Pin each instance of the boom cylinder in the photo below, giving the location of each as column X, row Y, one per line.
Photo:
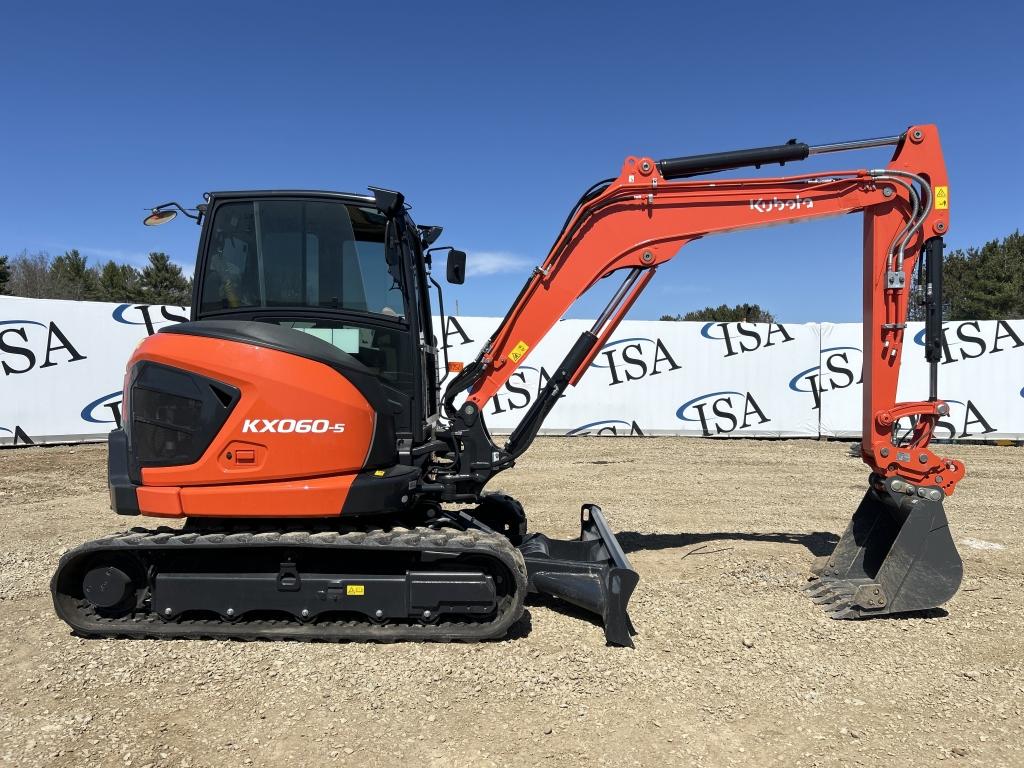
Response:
column 525, row 432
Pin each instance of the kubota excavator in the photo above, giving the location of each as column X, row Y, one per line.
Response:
column 330, row 493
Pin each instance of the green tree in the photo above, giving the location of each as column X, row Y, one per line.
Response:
column 985, row 283
column 5, row 275
column 741, row 313
column 120, row 283
column 162, row 282
column 72, row 278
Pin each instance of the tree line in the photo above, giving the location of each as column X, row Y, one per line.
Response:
column 985, row 283
column 70, row 276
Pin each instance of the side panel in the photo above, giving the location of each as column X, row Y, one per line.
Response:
column 296, row 418
column 318, row 497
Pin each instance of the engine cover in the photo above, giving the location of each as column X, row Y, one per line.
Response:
column 247, row 419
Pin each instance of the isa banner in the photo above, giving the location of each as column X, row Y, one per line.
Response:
column 981, row 377
column 62, row 365
column 62, row 368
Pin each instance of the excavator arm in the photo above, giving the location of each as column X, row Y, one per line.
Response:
column 642, row 218
column 897, row 554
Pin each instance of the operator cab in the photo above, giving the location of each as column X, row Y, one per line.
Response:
column 349, row 270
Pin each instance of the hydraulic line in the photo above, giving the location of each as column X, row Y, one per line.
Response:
column 915, row 208
column 926, row 191
column 926, row 209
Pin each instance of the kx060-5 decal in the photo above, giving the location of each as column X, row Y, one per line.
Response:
column 284, row 426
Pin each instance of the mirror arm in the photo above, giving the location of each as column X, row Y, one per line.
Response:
column 192, row 213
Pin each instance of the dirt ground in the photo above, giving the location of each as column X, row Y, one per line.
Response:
column 722, row 534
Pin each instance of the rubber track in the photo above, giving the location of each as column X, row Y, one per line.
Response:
column 87, row 622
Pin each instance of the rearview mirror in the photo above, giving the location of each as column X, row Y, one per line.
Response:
column 456, row 267
column 159, row 217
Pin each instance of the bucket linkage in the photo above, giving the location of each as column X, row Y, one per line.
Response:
column 896, row 555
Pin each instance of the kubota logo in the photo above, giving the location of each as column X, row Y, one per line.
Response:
column 778, row 204
column 286, row 426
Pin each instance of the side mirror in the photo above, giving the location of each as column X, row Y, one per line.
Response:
column 456, row 267
column 156, row 218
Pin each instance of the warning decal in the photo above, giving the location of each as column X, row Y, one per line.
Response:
column 518, row 351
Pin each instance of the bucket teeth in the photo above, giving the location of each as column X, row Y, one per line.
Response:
column 830, row 597
column 845, row 612
column 833, row 593
column 838, row 597
column 817, row 589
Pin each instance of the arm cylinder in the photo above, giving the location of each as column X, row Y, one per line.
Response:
column 695, row 165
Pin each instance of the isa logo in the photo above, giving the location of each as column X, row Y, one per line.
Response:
column 840, row 367
column 521, row 389
column 969, row 340
column 104, row 410
column 149, row 315
column 17, row 436
column 964, row 420
column 741, row 338
column 26, row 345
column 608, row 428
column 634, row 359
column 722, row 413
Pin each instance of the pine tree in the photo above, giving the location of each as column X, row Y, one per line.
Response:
column 120, row 283
column 986, row 283
column 5, row 276
column 72, row 278
column 162, row 282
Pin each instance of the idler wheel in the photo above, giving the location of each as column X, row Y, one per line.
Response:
column 107, row 586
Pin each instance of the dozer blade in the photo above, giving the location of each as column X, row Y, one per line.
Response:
column 591, row 572
column 897, row 555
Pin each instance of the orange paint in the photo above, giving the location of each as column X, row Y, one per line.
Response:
column 275, row 386
column 641, row 220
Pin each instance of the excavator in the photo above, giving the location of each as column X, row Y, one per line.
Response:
column 330, row 491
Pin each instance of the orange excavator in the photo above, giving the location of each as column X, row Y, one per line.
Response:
column 331, row 492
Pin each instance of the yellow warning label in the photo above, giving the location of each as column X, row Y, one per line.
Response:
column 941, row 198
column 355, row 589
column 518, row 351
column 379, row 473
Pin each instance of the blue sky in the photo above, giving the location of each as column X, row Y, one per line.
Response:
column 493, row 118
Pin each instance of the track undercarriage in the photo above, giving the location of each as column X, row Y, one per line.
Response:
column 449, row 579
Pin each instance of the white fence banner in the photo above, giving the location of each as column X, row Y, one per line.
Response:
column 62, row 365
column 981, row 377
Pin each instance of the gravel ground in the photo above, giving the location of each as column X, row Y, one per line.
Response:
column 732, row 666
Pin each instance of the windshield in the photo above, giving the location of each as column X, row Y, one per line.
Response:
column 299, row 253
